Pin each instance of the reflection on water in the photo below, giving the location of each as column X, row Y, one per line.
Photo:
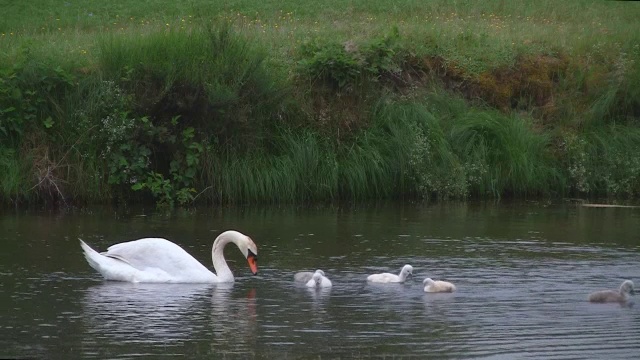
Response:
column 319, row 296
column 522, row 274
column 168, row 314
column 124, row 311
column 233, row 319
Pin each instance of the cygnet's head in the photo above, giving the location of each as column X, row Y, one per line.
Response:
column 320, row 272
column 317, row 278
column 407, row 270
column 627, row 287
column 427, row 281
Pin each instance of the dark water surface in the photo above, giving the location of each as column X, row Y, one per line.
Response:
column 523, row 273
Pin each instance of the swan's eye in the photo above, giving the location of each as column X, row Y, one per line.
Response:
column 251, row 254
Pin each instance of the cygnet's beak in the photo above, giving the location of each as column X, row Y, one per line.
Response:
column 252, row 259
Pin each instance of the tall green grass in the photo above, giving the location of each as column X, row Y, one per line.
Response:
column 426, row 149
column 376, row 163
column 11, row 181
column 619, row 98
column 514, row 158
column 213, row 78
column 457, row 151
column 306, row 167
column 300, row 170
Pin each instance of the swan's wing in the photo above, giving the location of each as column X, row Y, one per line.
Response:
column 155, row 253
column 303, row 276
column 383, row 278
column 443, row 286
column 605, row 296
column 451, row 287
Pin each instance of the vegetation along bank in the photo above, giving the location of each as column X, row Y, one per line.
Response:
column 199, row 102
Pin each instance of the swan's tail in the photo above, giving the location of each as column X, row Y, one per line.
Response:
column 120, row 270
column 91, row 255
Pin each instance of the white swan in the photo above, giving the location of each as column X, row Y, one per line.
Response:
column 392, row 278
column 619, row 296
column 305, row 276
column 432, row 286
column 161, row 261
column 318, row 280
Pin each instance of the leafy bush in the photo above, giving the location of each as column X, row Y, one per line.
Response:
column 131, row 162
column 599, row 164
column 30, row 96
column 342, row 65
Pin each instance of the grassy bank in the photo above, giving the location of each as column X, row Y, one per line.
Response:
column 245, row 102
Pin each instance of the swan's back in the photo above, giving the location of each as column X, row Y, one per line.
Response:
column 305, row 276
column 156, row 255
column 384, row 278
column 438, row 286
column 605, row 296
column 391, row 278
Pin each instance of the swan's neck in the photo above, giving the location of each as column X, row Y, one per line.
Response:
column 403, row 275
column 219, row 262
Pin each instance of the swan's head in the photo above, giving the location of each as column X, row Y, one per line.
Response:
column 250, row 251
column 627, row 287
column 427, row 281
column 246, row 246
column 407, row 270
column 320, row 272
column 317, row 278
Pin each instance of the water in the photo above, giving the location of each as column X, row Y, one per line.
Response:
column 523, row 273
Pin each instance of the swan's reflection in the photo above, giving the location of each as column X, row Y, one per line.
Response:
column 162, row 313
column 319, row 296
column 233, row 318
column 146, row 312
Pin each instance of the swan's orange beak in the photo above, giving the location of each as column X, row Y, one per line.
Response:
column 253, row 263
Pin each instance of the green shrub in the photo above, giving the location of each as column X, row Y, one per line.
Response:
column 342, row 65
column 599, row 161
column 31, row 96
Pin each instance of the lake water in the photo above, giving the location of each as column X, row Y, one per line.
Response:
column 523, row 273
